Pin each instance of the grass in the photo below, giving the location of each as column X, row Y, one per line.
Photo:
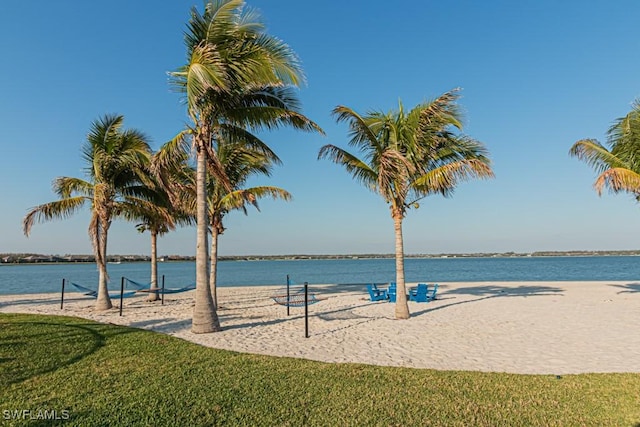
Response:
column 106, row 375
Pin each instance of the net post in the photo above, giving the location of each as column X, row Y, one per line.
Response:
column 288, row 283
column 121, row 293
column 306, row 310
column 62, row 295
column 162, row 290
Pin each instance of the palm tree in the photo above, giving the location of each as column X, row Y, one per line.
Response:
column 406, row 157
column 236, row 77
column 240, row 162
column 156, row 210
column 114, row 160
column 618, row 167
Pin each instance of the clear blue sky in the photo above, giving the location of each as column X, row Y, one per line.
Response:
column 536, row 77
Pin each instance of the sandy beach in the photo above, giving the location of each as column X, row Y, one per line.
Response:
column 517, row 327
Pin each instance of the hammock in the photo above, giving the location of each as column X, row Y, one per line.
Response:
column 137, row 285
column 92, row 293
column 169, row 290
column 146, row 287
column 295, row 299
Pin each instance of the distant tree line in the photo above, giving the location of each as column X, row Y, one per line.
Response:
column 28, row 258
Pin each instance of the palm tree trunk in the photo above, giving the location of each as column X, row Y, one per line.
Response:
column 103, row 302
column 402, row 308
column 205, row 318
column 213, row 270
column 153, row 296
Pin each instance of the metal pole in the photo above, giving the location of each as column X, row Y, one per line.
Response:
column 62, row 295
column 162, row 290
column 288, row 282
column 306, row 310
column 121, row 293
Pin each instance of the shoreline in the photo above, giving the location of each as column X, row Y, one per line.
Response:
column 517, row 327
column 47, row 259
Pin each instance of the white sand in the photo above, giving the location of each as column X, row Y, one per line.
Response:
column 526, row 327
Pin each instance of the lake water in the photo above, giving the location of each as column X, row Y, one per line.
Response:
column 34, row 278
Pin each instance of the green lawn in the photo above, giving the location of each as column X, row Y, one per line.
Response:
column 109, row 375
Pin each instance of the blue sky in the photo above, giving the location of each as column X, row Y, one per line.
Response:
column 536, row 77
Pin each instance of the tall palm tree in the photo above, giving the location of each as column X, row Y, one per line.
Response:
column 240, row 162
column 406, row 157
column 618, row 167
column 236, row 77
column 115, row 159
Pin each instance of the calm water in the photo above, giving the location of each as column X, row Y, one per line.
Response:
column 19, row 279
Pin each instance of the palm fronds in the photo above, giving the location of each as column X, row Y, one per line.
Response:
column 617, row 180
column 595, row 155
column 60, row 209
column 618, row 168
column 410, row 154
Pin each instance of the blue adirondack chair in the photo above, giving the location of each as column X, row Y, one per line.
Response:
column 376, row 294
column 431, row 293
column 420, row 293
column 391, row 292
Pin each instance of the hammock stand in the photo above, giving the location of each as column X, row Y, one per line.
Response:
column 143, row 287
column 300, row 297
column 295, row 299
column 90, row 292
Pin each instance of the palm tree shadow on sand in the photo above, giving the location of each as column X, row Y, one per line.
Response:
column 42, row 301
column 629, row 288
column 491, row 291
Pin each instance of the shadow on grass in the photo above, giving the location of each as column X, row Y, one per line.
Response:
column 36, row 348
column 629, row 288
column 490, row 291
